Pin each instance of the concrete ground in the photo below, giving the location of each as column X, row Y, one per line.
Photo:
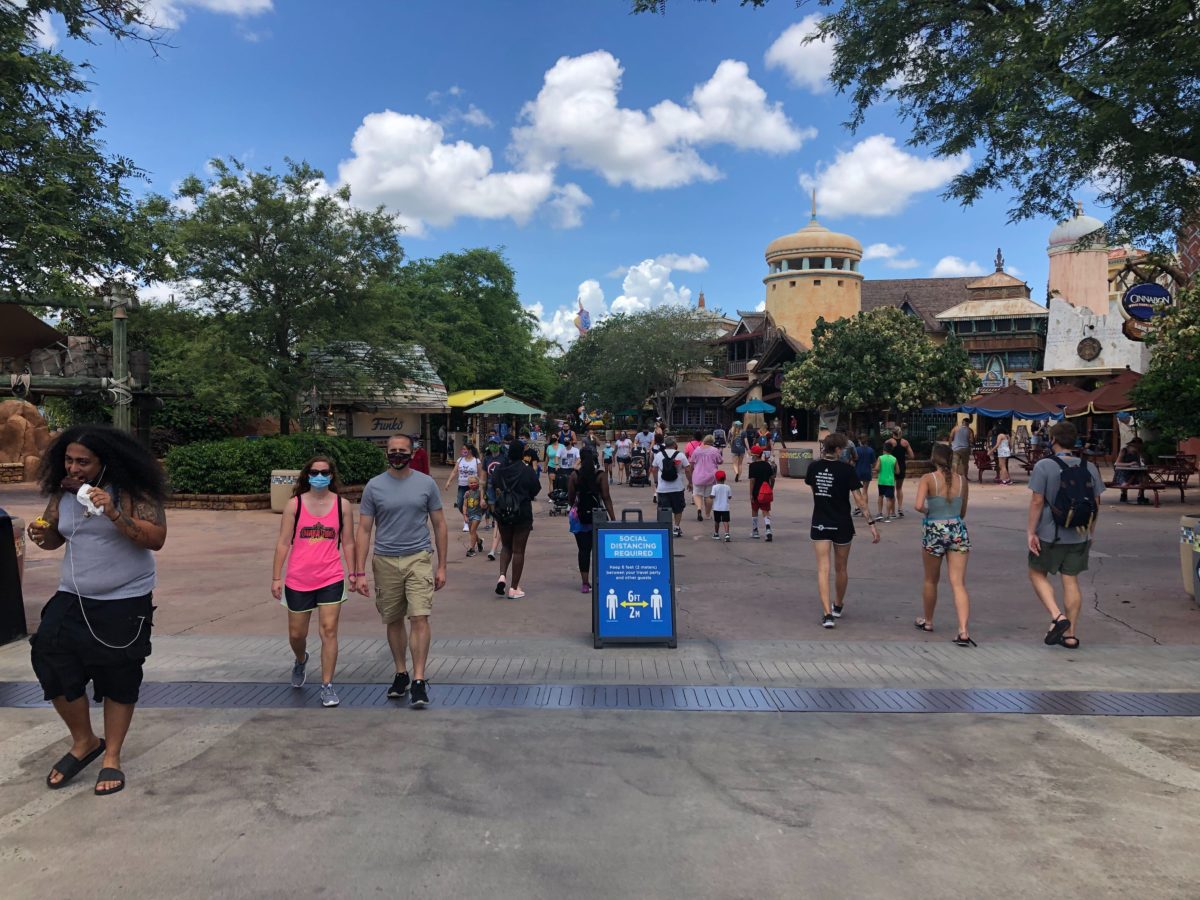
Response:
column 214, row 577
column 516, row 804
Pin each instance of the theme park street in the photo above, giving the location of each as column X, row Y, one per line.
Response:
column 214, row 577
column 524, row 804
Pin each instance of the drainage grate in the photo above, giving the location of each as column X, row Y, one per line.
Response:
column 682, row 698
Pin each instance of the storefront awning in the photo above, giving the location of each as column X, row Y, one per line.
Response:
column 504, row 406
column 463, row 399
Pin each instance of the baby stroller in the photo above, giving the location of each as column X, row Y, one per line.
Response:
column 639, row 472
column 558, row 496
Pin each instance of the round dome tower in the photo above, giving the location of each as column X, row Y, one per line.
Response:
column 812, row 273
column 1079, row 276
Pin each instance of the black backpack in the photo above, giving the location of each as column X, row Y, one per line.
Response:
column 1074, row 505
column 669, row 471
column 508, row 505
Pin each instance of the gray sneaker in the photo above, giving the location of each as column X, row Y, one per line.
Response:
column 329, row 696
column 299, row 676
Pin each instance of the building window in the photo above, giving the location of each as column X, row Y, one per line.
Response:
column 710, row 418
column 774, row 286
column 1024, row 324
column 695, row 415
column 791, row 284
column 817, row 282
column 983, row 325
column 964, row 327
column 840, row 282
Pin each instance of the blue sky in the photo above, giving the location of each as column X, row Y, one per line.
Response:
column 626, row 160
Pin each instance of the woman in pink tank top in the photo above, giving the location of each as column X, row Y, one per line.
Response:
column 315, row 536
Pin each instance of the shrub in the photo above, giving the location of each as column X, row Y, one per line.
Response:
column 243, row 466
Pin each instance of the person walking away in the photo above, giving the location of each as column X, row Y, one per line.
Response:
column 400, row 505
column 468, row 464
column 1062, row 523
column 316, row 534
column 553, row 448
column 608, row 460
column 516, row 486
column 961, row 439
column 722, row 495
column 474, row 505
column 864, row 467
column 1002, row 451
column 705, row 460
column 849, row 454
column 761, row 473
column 719, row 438
column 693, row 444
column 587, row 490
column 737, row 447
column 885, row 474
column 942, row 498
column 624, row 455
column 903, row 451
column 106, row 507
column 672, row 473
column 833, row 482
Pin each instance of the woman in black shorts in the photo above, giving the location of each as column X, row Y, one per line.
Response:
column 514, row 477
column 902, row 450
column 106, row 507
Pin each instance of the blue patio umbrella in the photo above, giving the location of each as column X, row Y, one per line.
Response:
column 756, row 406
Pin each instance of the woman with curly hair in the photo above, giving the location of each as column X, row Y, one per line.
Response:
column 315, row 536
column 106, row 507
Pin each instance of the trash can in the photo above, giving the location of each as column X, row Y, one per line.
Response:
column 283, row 482
column 12, row 602
column 1189, row 552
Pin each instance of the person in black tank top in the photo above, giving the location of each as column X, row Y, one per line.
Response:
column 902, row 450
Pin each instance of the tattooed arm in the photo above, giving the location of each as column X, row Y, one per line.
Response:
column 144, row 523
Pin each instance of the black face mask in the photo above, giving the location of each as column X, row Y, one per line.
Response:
column 399, row 460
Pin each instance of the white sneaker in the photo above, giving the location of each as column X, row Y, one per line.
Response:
column 466, row 527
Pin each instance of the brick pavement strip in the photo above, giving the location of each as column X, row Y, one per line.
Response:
column 744, row 663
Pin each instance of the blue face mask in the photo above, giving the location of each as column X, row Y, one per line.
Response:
column 319, row 481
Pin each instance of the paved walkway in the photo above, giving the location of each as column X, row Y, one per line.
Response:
column 774, row 663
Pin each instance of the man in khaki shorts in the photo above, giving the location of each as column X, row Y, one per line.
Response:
column 405, row 502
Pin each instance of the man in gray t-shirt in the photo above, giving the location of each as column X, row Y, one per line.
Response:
column 1053, row 549
column 403, row 503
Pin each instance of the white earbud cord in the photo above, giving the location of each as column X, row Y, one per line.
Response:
column 83, row 612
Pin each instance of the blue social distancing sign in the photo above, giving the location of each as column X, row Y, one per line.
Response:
column 633, row 584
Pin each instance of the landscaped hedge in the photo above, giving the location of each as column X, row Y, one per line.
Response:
column 243, row 466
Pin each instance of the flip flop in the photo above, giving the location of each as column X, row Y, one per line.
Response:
column 1057, row 627
column 110, row 775
column 922, row 625
column 70, row 766
column 964, row 642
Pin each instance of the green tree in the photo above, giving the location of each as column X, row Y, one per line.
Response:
column 1057, row 94
column 880, row 360
column 1168, row 392
column 66, row 216
column 465, row 310
column 286, row 268
column 626, row 360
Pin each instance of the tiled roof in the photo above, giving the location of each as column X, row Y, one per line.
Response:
column 708, row 387
column 987, row 309
column 926, row 296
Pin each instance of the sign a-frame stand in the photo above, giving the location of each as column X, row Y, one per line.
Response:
column 633, row 582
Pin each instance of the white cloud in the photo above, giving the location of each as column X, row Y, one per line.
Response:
column 877, row 178
column 472, row 115
column 436, row 96
column 403, row 162
column 576, row 119
column 567, row 205
column 1013, row 271
column 761, row 307
column 807, row 64
column 955, row 267
column 692, row 262
column 890, row 254
column 646, row 286
column 172, row 13
column 45, row 34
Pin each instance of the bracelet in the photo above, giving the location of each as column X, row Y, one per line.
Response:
column 277, row 579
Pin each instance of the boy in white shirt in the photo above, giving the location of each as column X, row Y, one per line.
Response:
column 721, row 495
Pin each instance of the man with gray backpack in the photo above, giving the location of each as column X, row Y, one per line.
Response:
column 1062, row 520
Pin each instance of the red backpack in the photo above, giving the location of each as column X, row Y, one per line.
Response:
column 765, row 494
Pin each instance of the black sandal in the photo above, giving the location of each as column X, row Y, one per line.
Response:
column 501, row 585
column 1074, row 646
column 1057, row 627
column 964, row 642
column 110, row 775
column 922, row 625
column 70, row 766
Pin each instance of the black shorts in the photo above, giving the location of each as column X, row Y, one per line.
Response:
column 719, row 516
column 839, row 534
column 671, row 499
column 307, row 601
column 66, row 656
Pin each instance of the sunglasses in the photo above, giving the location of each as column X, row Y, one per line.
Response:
column 320, row 471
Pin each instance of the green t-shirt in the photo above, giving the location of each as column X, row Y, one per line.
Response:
column 887, row 469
